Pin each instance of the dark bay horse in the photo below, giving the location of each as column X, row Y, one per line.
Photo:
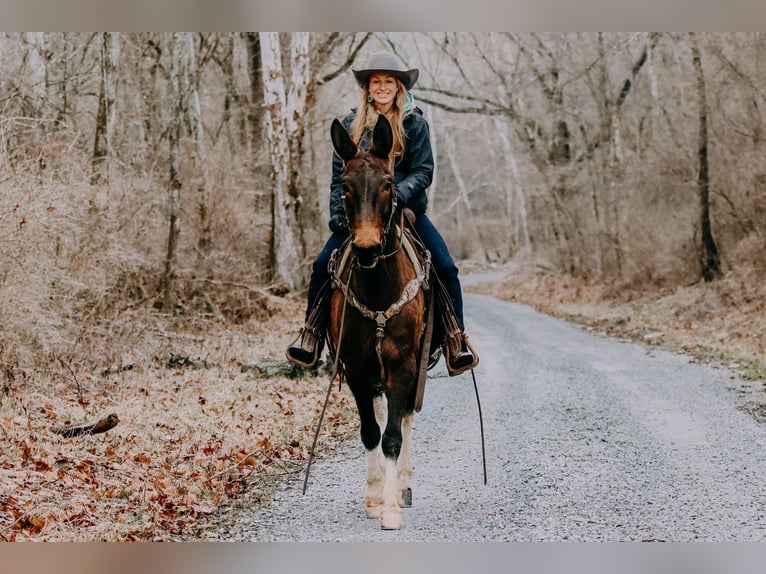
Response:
column 377, row 317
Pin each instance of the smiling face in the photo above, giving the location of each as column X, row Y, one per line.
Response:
column 383, row 89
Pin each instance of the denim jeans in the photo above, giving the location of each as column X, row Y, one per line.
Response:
column 444, row 265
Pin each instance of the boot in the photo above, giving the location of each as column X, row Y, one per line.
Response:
column 306, row 349
column 460, row 354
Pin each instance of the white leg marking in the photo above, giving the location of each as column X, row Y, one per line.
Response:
column 404, row 464
column 391, row 515
column 380, row 408
column 373, row 500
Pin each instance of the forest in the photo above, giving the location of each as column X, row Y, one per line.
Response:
column 185, row 171
column 154, row 183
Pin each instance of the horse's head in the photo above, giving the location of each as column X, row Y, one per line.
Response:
column 368, row 189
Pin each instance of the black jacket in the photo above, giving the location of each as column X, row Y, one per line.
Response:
column 413, row 171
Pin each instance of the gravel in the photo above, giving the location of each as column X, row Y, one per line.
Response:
column 588, row 439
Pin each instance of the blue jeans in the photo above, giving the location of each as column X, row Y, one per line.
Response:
column 444, row 265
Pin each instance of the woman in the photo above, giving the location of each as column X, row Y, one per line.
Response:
column 385, row 90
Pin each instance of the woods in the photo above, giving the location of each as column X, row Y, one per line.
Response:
column 578, row 151
column 150, row 169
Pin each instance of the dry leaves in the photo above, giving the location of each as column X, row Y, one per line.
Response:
column 191, row 443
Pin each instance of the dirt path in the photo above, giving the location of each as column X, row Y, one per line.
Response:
column 588, row 439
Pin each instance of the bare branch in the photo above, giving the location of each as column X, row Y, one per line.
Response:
column 350, row 59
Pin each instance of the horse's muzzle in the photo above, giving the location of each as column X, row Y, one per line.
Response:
column 367, row 256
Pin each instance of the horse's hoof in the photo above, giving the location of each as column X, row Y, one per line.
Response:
column 373, row 506
column 405, row 498
column 391, row 519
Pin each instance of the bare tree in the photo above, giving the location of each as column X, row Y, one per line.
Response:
column 255, row 114
column 36, row 69
column 519, row 232
column 191, row 90
column 171, row 258
column 103, row 142
column 284, row 249
column 710, row 263
column 296, row 122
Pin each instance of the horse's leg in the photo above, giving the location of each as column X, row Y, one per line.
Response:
column 371, row 410
column 404, row 463
column 399, row 390
column 373, row 500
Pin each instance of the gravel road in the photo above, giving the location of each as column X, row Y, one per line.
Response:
column 588, row 439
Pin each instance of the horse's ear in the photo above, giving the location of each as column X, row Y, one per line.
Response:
column 382, row 138
column 341, row 141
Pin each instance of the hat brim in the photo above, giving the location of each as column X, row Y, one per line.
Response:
column 407, row 78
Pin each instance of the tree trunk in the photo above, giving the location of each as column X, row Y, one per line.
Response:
column 35, row 68
column 102, row 145
column 61, row 118
column 710, row 264
column 462, row 188
column 171, row 263
column 284, row 252
column 296, row 122
column 195, row 122
column 518, row 233
column 149, row 99
column 255, row 115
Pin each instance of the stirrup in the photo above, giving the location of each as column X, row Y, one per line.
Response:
column 465, row 360
column 301, row 352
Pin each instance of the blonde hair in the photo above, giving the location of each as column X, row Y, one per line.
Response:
column 367, row 115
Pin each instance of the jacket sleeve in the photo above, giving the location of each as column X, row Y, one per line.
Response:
column 338, row 222
column 421, row 165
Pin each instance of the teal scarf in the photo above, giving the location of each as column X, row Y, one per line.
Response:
column 409, row 104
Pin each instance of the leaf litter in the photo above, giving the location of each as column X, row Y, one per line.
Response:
column 195, row 439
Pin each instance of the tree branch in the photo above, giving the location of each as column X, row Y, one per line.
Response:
column 350, row 59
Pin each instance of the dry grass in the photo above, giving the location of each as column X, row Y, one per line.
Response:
column 724, row 320
column 195, row 437
column 198, row 437
column 81, row 336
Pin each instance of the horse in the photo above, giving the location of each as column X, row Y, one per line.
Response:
column 377, row 320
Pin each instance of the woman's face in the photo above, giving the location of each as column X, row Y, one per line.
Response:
column 383, row 89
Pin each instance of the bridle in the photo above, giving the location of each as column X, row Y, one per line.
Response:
column 385, row 234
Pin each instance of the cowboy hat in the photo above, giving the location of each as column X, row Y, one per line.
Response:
column 386, row 62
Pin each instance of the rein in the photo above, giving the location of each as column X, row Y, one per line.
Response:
column 336, row 363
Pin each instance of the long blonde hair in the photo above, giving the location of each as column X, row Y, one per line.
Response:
column 367, row 115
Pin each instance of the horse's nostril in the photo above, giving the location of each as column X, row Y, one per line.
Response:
column 367, row 254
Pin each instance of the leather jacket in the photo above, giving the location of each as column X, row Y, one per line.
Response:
column 413, row 170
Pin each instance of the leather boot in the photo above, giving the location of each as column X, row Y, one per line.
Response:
column 460, row 355
column 304, row 351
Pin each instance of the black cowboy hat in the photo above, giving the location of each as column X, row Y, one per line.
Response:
column 386, row 62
